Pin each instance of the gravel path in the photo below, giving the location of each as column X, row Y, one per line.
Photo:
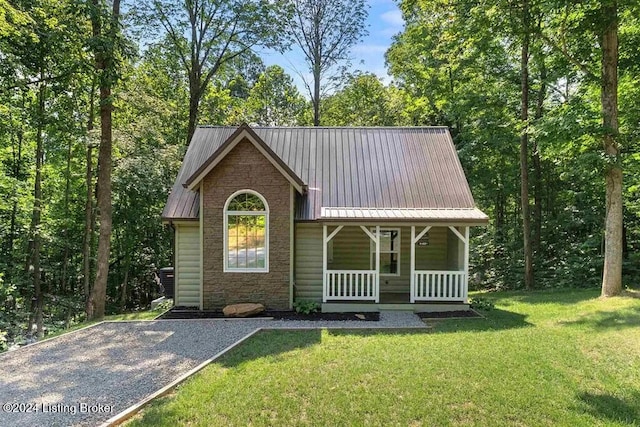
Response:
column 88, row 376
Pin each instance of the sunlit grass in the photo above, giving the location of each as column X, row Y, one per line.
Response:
column 135, row 315
column 538, row 358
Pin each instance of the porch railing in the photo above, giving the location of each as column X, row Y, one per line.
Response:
column 354, row 285
column 436, row 285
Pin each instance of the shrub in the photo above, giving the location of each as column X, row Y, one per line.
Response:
column 306, row 307
column 479, row 303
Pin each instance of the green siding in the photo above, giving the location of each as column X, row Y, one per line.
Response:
column 308, row 262
column 351, row 248
column 187, row 265
column 455, row 251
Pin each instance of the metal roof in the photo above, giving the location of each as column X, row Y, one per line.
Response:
column 354, row 167
column 466, row 215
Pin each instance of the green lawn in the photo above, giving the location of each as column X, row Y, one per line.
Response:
column 539, row 358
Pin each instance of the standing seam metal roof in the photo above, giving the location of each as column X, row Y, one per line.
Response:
column 354, row 167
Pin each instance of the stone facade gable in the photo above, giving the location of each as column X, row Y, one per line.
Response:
column 246, row 168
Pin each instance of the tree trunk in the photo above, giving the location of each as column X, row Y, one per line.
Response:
column 316, row 95
column 195, row 93
column 194, row 103
column 36, row 218
column 88, row 208
column 524, row 149
column 123, row 295
column 104, row 63
column 612, row 272
column 97, row 298
column 317, row 64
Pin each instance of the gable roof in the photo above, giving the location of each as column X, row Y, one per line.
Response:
column 242, row 133
column 360, row 169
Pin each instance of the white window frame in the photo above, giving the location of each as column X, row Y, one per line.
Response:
column 372, row 251
column 225, row 233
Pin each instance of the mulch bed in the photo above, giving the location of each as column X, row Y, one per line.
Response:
column 194, row 313
column 449, row 314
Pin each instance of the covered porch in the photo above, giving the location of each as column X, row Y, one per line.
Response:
column 388, row 265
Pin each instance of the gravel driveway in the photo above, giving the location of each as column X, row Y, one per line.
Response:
column 88, row 376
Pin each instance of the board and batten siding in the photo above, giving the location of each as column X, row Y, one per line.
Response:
column 187, row 274
column 352, row 251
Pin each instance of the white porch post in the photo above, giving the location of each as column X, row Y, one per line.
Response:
column 376, row 240
column 466, row 263
column 377, row 263
column 465, row 240
column 412, row 279
column 325, row 241
column 325, row 292
column 414, row 240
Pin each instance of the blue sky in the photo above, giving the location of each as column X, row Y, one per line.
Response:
column 384, row 21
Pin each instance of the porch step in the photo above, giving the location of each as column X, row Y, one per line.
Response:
column 338, row 307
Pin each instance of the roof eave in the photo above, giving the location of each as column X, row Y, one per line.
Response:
column 448, row 221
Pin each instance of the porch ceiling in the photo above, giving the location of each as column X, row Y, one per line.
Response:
column 462, row 215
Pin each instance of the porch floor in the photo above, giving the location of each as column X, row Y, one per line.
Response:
column 393, row 301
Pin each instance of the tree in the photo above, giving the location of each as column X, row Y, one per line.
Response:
column 207, row 34
column 612, row 274
column 105, row 24
column 363, row 101
column 274, row 100
column 602, row 18
column 524, row 145
column 325, row 31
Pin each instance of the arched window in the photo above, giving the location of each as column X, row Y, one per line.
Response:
column 246, row 233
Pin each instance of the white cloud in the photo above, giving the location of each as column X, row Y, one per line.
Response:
column 393, row 18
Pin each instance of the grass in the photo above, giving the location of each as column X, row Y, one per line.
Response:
column 135, row 315
column 539, row 358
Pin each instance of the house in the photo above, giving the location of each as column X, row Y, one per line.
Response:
column 354, row 218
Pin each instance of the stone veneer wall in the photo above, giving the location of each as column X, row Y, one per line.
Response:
column 245, row 168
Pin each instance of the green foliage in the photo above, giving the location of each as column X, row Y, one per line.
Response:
column 164, row 306
column 459, row 63
column 306, row 307
column 363, row 101
column 274, row 100
column 479, row 303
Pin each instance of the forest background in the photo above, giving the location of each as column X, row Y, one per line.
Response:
column 98, row 101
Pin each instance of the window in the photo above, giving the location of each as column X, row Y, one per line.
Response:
column 246, row 233
column 389, row 252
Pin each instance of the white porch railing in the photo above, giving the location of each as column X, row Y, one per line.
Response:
column 354, row 285
column 435, row 285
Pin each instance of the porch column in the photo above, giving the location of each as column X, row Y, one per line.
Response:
column 414, row 240
column 376, row 240
column 325, row 290
column 465, row 240
column 325, row 241
column 377, row 263
column 412, row 269
column 466, row 263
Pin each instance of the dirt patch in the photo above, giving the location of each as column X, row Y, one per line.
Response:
column 194, row 313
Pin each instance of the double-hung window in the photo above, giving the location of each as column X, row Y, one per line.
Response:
column 389, row 252
column 246, row 233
